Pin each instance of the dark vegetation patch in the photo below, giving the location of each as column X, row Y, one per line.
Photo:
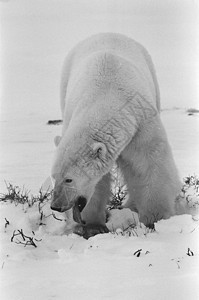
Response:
column 192, row 111
column 54, row 122
column 18, row 195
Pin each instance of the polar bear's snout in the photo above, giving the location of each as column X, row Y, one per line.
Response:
column 63, row 198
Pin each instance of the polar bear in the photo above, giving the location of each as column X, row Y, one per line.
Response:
column 110, row 105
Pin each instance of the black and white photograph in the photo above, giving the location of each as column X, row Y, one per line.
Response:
column 99, row 149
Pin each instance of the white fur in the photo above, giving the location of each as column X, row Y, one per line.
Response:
column 110, row 96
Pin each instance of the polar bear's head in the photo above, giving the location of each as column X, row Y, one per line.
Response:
column 76, row 174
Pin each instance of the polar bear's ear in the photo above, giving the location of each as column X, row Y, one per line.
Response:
column 57, row 140
column 99, row 150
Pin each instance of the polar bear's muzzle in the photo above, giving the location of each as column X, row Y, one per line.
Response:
column 65, row 199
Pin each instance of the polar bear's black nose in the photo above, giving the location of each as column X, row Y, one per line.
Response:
column 56, row 204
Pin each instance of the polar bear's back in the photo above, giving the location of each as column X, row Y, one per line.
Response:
column 118, row 43
column 115, row 43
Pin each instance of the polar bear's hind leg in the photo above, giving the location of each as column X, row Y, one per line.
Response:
column 150, row 174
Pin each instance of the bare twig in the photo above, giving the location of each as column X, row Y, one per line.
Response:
column 138, row 252
column 7, row 223
column 54, row 216
column 26, row 240
column 189, row 252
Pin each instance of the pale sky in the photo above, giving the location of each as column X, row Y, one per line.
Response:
column 37, row 34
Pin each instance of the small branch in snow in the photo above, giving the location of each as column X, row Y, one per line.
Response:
column 137, row 253
column 7, row 223
column 189, row 252
column 26, row 240
column 54, row 216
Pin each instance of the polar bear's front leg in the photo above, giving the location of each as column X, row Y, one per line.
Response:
column 94, row 214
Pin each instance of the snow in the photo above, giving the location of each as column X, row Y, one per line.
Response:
column 104, row 267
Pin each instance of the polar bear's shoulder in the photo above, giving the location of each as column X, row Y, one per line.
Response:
column 115, row 43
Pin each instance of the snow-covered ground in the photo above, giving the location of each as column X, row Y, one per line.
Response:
column 103, row 267
column 163, row 264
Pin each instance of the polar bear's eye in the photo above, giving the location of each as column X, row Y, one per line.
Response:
column 68, row 180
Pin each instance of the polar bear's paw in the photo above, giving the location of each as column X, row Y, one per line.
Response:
column 90, row 230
